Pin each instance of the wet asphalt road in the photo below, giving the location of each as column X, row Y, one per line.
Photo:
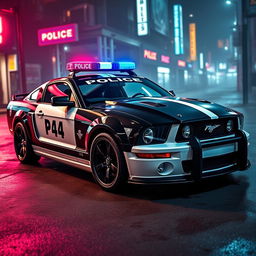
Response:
column 52, row 209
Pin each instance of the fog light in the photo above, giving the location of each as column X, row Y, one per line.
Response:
column 165, row 168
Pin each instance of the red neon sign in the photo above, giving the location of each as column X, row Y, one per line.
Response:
column 1, row 30
column 150, row 55
column 182, row 63
column 165, row 59
column 58, row 35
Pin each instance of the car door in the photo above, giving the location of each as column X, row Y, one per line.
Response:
column 55, row 124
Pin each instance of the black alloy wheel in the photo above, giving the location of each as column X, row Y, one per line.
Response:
column 108, row 163
column 22, row 145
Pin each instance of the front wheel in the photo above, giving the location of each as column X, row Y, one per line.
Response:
column 108, row 163
column 22, row 145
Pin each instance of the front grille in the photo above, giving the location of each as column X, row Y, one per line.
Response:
column 212, row 162
column 198, row 129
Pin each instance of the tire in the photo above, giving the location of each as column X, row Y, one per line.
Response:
column 22, row 145
column 108, row 163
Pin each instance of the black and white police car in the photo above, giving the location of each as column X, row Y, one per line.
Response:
column 125, row 128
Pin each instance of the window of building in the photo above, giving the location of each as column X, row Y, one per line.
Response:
column 84, row 13
column 163, row 75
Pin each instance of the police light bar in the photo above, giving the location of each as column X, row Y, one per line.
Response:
column 99, row 66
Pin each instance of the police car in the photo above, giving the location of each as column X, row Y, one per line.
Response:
column 105, row 119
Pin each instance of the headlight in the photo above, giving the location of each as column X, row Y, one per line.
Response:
column 186, row 132
column 152, row 135
column 148, row 136
column 230, row 126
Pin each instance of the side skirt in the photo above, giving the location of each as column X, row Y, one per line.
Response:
column 63, row 158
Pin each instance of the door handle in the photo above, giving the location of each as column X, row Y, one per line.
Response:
column 40, row 113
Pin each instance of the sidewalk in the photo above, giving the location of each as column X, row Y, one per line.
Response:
column 225, row 96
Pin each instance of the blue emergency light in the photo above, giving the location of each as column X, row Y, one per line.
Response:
column 77, row 66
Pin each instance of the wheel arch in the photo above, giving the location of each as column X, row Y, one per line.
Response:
column 96, row 130
column 110, row 125
column 20, row 116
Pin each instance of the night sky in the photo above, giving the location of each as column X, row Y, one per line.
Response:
column 214, row 20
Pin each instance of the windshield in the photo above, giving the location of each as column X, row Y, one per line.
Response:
column 110, row 88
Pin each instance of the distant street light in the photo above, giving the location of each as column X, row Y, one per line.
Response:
column 228, row 2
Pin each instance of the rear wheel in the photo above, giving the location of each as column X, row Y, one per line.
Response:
column 23, row 146
column 108, row 163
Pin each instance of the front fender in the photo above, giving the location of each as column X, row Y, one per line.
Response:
column 110, row 125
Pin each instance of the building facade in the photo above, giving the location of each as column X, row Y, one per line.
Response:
column 107, row 30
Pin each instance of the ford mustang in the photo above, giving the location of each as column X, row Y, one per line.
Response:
column 122, row 127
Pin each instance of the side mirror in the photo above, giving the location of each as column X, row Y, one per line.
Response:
column 172, row 93
column 62, row 101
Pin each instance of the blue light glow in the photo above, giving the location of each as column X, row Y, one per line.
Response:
column 123, row 65
column 105, row 65
column 178, row 29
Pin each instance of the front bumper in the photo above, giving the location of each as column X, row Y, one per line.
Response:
column 190, row 161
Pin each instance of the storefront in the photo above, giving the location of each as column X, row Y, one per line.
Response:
column 156, row 66
column 8, row 58
column 91, row 44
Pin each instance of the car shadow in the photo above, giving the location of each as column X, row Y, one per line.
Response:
column 224, row 193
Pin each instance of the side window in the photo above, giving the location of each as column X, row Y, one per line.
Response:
column 34, row 95
column 58, row 89
column 40, row 95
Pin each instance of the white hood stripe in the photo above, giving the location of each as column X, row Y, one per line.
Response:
column 201, row 109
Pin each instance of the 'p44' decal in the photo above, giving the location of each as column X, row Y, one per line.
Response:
column 55, row 127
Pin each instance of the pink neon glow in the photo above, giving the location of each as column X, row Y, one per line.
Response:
column 165, row 59
column 82, row 57
column 1, row 25
column 1, row 30
column 56, row 91
column 150, row 55
column 81, row 118
column 58, row 35
column 181, row 63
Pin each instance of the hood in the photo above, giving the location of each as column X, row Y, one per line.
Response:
column 167, row 109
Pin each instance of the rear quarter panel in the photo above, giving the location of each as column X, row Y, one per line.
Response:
column 21, row 111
